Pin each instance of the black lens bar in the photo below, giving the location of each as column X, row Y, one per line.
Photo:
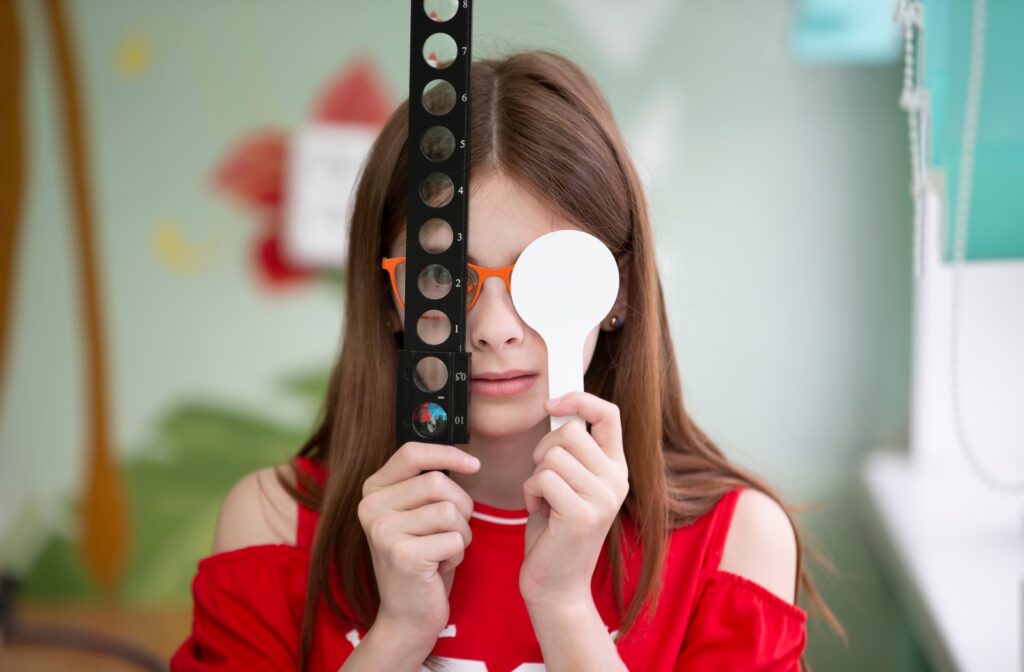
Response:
column 433, row 367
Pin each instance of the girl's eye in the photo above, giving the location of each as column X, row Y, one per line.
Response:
column 435, row 281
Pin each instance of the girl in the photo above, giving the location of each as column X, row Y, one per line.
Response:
column 634, row 545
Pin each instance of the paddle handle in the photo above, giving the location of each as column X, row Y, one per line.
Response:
column 565, row 374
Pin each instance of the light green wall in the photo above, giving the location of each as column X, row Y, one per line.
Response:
column 781, row 214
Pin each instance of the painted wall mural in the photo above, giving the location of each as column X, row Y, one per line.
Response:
column 141, row 525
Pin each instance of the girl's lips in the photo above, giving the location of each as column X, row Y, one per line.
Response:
column 502, row 388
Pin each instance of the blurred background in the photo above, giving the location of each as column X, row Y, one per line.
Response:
column 166, row 327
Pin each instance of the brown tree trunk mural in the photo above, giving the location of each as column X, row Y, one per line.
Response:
column 12, row 166
column 104, row 536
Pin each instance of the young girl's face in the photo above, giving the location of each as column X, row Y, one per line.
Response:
column 504, row 219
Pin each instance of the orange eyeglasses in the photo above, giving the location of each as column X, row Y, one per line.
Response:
column 436, row 281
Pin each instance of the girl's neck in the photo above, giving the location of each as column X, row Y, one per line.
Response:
column 505, row 463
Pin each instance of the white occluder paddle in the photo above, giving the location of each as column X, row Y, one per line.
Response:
column 563, row 285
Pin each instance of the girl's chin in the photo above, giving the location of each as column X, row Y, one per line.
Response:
column 502, row 423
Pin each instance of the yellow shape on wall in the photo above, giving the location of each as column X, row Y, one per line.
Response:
column 172, row 247
column 134, row 55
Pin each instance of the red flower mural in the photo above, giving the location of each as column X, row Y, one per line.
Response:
column 255, row 170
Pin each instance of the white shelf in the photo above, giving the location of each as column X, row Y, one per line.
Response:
column 956, row 551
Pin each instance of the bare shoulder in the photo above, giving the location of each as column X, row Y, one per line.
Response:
column 257, row 510
column 761, row 544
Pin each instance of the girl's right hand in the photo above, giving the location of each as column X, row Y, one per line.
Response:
column 417, row 526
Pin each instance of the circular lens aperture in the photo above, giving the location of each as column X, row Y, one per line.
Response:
column 435, row 281
column 433, row 327
column 437, row 144
column 429, row 419
column 438, row 97
column 436, row 235
column 437, row 190
column 440, row 50
column 431, row 374
column 441, row 10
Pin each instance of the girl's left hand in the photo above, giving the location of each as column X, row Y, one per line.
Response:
column 573, row 496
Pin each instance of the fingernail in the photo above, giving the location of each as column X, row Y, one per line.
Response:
column 472, row 462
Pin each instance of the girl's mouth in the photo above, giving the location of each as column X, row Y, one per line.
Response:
column 502, row 388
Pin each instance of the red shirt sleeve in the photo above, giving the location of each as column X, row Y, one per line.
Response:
column 245, row 614
column 740, row 625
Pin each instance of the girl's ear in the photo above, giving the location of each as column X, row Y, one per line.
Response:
column 619, row 308
column 393, row 321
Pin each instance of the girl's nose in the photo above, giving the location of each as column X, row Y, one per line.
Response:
column 494, row 321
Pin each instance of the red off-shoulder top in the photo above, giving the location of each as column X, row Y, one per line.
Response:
column 248, row 606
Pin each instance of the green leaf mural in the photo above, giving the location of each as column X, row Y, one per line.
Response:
column 176, row 484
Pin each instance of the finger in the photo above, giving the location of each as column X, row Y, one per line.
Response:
column 575, row 438
column 583, row 481
column 431, row 519
column 447, row 577
column 603, row 416
column 414, row 457
column 432, row 486
column 549, row 486
column 449, row 564
column 532, row 496
column 439, row 547
column 536, row 502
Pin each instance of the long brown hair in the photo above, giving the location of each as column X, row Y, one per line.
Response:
column 539, row 119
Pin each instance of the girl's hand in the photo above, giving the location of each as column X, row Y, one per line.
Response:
column 573, row 496
column 417, row 526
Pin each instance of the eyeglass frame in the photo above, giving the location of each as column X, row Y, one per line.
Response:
column 389, row 264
